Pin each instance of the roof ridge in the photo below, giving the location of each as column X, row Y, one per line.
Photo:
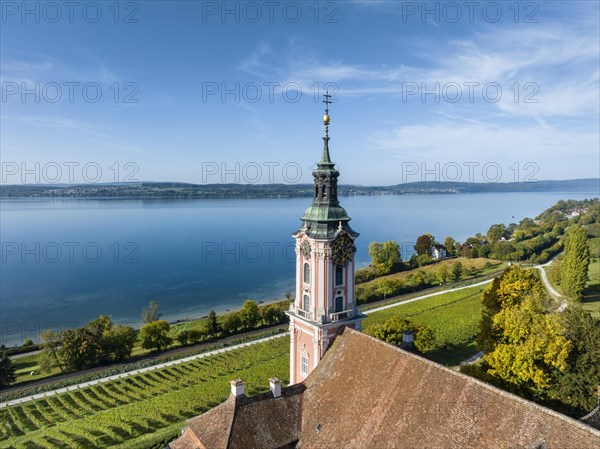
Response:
column 474, row 380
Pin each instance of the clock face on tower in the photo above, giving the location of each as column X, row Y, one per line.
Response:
column 305, row 248
column 342, row 250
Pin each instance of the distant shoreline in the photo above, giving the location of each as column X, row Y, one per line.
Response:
column 182, row 191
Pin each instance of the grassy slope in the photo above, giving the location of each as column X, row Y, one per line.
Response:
column 453, row 317
column 147, row 410
column 144, row 410
column 591, row 299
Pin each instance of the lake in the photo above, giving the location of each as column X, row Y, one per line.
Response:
column 65, row 261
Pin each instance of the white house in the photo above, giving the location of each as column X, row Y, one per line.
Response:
column 438, row 252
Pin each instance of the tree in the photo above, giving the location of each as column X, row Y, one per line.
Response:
column 28, row 342
column 450, row 245
column 457, row 270
column 80, row 348
column 575, row 263
column 232, row 322
column 423, row 244
column 531, row 344
column 423, row 259
column 272, row 314
column 7, row 370
column 577, row 385
column 249, row 315
column 151, row 313
column 212, row 326
column 117, row 343
column 154, row 335
column 443, row 274
column 496, row 232
column 183, row 337
column 385, row 257
column 48, row 358
column 391, row 332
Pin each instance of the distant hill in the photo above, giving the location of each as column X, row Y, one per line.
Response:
column 184, row 190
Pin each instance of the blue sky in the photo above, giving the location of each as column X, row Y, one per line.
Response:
column 512, row 98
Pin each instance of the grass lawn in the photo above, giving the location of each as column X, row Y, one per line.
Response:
column 591, row 295
column 453, row 317
column 476, row 268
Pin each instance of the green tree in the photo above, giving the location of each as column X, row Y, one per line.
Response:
column 443, row 274
column 577, row 386
column 391, row 332
column 183, row 337
column 496, row 232
column 232, row 322
column 423, row 244
column 155, row 335
column 117, row 343
column 49, row 357
column 531, row 344
column 249, row 315
column 212, row 326
column 575, row 262
column 7, row 370
column 80, row 349
column 450, row 245
column 385, row 257
column 424, row 259
column 457, row 269
column 28, row 342
column 272, row 314
column 151, row 313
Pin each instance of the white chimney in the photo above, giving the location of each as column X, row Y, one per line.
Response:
column 237, row 387
column 275, row 386
column 407, row 338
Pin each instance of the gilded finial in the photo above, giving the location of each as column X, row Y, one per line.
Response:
column 326, row 118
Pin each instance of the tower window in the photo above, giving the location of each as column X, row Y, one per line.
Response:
column 339, row 275
column 306, row 276
column 339, row 304
column 306, row 304
column 304, row 364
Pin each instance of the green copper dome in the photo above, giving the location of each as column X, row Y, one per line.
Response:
column 325, row 218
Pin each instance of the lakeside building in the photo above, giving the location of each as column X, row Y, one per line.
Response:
column 349, row 390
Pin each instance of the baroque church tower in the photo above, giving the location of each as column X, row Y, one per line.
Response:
column 324, row 271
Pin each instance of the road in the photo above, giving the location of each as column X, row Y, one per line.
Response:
column 202, row 355
column 241, row 345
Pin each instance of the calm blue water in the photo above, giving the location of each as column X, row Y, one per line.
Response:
column 64, row 262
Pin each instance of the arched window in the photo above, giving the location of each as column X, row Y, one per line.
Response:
column 306, row 277
column 339, row 275
column 306, row 304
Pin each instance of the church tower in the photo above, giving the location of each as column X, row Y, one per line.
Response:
column 324, row 270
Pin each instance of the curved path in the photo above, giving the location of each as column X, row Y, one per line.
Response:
column 205, row 354
column 241, row 345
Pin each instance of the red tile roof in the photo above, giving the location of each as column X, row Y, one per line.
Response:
column 368, row 394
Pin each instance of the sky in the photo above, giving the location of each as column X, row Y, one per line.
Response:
column 213, row 92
